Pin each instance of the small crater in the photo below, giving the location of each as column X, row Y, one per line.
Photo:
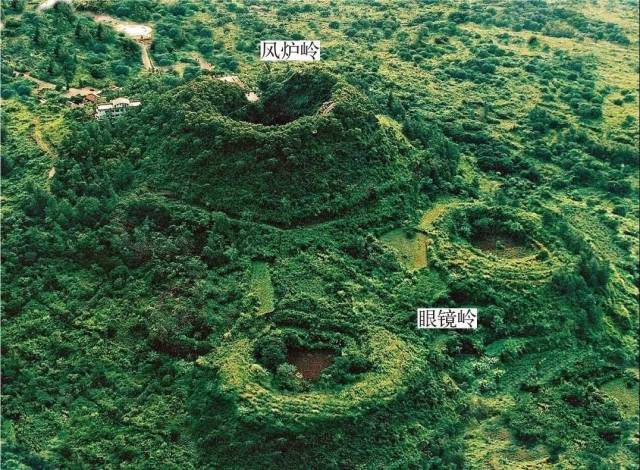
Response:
column 502, row 246
column 284, row 102
column 310, row 363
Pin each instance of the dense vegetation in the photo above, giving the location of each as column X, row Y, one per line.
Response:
column 273, row 149
column 160, row 269
column 63, row 48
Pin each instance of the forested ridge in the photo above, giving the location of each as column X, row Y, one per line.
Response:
column 212, row 281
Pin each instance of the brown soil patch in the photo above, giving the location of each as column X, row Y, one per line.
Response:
column 42, row 85
column 310, row 363
column 82, row 91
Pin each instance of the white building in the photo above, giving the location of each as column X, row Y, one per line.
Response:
column 115, row 108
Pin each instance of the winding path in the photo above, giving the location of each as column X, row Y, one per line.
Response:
column 42, row 85
column 43, row 144
column 142, row 34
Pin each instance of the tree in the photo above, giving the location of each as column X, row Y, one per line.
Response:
column 36, row 202
column 594, row 271
column 395, row 106
column 37, row 35
column 288, row 378
column 271, row 351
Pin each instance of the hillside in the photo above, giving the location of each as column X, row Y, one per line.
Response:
column 310, row 149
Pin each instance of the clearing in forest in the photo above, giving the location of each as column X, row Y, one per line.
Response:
column 410, row 247
column 628, row 398
column 502, row 246
column 262, row 287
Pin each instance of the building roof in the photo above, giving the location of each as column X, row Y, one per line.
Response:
column 232, row 79
column 113, row 105
column 118, row 101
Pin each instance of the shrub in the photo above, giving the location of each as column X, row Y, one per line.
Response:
column 288, row 378
column 271, row 351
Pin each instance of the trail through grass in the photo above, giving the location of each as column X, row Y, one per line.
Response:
column 262, row 287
